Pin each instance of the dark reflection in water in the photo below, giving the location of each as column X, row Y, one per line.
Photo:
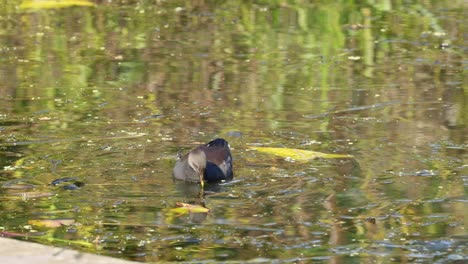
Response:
column 100, row 99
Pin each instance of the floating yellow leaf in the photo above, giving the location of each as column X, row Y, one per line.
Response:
column 299, row 154
column 184, row 208
column 51, row 222
column 51, row 4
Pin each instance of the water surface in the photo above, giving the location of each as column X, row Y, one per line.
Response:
column 105, row 96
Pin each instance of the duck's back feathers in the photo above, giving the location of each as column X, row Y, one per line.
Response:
column 219, row 160
column 218, row 163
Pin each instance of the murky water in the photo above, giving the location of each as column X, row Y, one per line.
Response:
column 104, row 97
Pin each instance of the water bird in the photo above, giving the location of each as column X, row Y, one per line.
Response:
column 211, row 162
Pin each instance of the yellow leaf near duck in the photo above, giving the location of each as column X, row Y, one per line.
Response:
column 185, row 208
column 299, row 154
column 53, row 4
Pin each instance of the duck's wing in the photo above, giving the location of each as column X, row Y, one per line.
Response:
column 219, row 153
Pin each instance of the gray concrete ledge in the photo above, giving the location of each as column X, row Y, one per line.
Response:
column 20, row 252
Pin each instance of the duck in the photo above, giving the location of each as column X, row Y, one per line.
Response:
column 210, row 162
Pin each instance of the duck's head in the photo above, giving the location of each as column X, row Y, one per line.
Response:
column 197, row 161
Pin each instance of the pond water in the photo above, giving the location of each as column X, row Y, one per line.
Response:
column 103, row 97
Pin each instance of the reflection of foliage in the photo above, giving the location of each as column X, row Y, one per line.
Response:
column 111, row 44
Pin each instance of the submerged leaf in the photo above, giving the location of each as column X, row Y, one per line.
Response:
column 69, row 242
column 299, row 154
column 60, row 180
column 73, row 186
column 28, row 195
column 51, row 222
